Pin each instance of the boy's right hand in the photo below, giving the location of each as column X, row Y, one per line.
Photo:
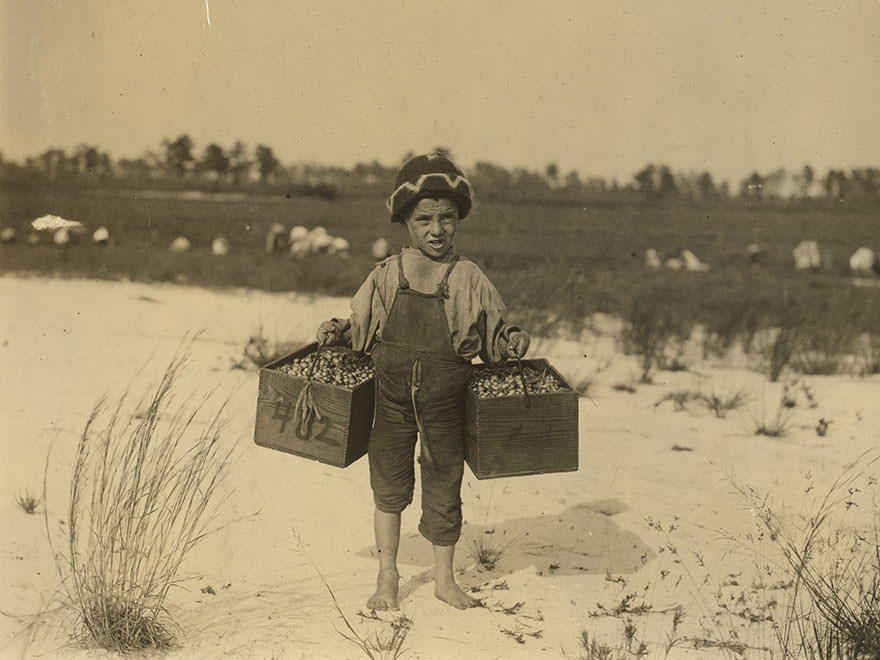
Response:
column 328, row 334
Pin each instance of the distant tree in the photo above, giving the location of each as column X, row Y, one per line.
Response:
column 53, row 163
column 214, row 161
column 573, row 182
column 806, row 181
column 135, row 169
column 178, row 156
column 644, row 179
column 774, row 183
column 753, row 187
column 239, row 162
column 89, row 161
column 492, row 180
column 836, row 184
column 865, row 184
column 706, row 186
column 529, row 184
column 552, row 173
column 267, row 164
column 655, row 182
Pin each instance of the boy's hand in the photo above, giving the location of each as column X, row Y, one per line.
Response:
column 328, row 334
column 518, row 344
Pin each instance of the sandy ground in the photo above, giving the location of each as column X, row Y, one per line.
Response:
column 575, row 542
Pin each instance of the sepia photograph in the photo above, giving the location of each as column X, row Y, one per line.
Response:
column 466, row 330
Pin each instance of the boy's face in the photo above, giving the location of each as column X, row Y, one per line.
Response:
column 431, row 226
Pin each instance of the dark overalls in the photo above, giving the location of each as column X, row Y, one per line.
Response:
column 420, row 389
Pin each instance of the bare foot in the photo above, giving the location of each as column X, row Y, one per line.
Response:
column 451, row 593
column 385, row 597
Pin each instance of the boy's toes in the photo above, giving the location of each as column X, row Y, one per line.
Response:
column 453, row 595
column 385, row 597
column 382, row 601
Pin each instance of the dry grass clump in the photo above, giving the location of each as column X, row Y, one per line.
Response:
column 777, row 424
column 629, row 647
column 656, row 334
column 832, row 561
column 723, row 403
column 27, row 502
column 379, row 645
column 143, row 493
column 679, row 399
column 868, row 348
column 485, row 550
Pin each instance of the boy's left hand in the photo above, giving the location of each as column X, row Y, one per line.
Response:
column 518, row 344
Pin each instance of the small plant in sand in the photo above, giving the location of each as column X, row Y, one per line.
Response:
column 679, row 399
column 723, row 403
column 655, row 334
column 831, row 559
column 781, row 351
column 485, row 550
column 775, row 425
column 823, row 349
column 868, row 347
column 143, row 493
column 27, row 502
column 380, row 645
column 628, row 648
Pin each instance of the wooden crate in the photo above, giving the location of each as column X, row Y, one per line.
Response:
column 504, row 438
column 339, row 439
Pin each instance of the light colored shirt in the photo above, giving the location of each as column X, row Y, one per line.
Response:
column 474, row 309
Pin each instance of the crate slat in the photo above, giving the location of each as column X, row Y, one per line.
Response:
column 339, row 438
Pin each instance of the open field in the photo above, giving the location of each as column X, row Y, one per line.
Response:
column 655, row 547
column 560, row 262
column 650, row 522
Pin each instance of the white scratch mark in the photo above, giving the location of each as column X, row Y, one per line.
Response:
column 208, row 13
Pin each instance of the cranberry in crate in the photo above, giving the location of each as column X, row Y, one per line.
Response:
column 317, row 404
column 511, row 431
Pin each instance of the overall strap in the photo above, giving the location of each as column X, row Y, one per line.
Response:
column 402, row 282
column 443, row 287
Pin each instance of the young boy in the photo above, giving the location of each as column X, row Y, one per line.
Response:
column 423, row 315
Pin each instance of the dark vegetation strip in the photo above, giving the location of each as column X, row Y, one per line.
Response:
column 550, row 261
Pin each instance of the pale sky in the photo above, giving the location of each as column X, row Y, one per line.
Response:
column 597, row 86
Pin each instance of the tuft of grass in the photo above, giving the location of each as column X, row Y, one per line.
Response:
column 27, row 502
column 781, row 351
column 593, row 649
column 380, row 645
column 823, row 346
column 679, row 399
column 651, row 331
column 833, row 564
column 485, row 550
column 143, row 493
column 868, row 349
column 629, row 647
column 777, row 425
column 721, row 404
column 626, row 605
column 815, row 362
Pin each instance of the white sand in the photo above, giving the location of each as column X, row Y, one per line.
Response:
column 578, row 538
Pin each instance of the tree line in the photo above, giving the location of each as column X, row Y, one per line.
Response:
column 178, row 163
